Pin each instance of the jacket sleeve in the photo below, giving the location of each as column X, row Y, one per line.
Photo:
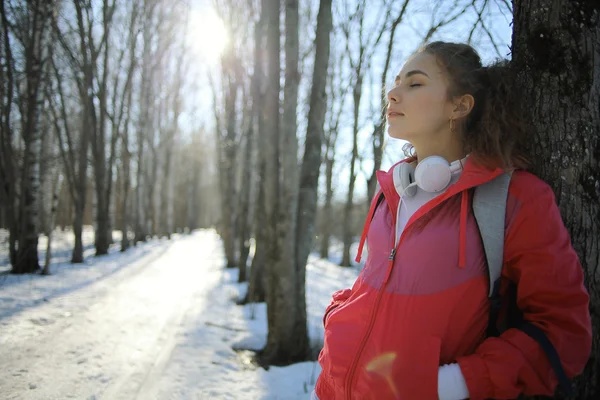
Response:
column 551, row 294
column 337, row 298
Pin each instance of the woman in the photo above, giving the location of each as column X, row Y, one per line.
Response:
column 413, row 326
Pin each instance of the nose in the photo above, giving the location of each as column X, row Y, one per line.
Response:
column 393, row 96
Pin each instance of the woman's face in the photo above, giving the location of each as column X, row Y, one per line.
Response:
column 419, row 108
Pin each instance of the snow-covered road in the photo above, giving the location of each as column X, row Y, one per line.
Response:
column 111, row 339
column 157, row 322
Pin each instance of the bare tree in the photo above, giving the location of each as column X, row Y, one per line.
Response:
column 121, row 116
column 337, row 99
column 555, row 53
column 31, row 27
column 359, row 60
column 91, row 80
column 7, row 161
column 244, row 219
column 309, row 176
column 278, row 325
column 257, row 284
column 379, row 129
column 286, row 305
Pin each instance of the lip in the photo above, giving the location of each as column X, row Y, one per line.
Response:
column 393, row 114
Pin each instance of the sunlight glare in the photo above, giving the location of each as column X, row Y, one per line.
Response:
column 207, row 34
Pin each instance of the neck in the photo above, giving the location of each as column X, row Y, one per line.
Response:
column 451, row 150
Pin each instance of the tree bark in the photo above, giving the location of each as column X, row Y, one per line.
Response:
column 36, row 53
column 283, row 347
column 228, row 215
column 52, row 220
column 145, row 101
column 257, row 285
column 327, row 207
column 556, row 47
column 309, row 175
column 7, row 161
column 244, row 208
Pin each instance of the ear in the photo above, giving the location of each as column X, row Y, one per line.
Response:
column 462, row 106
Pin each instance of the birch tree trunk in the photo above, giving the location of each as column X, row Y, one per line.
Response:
column 283, row 344
column 257, row 284
column 57, row 183
column 556, row 52
column 277, row 325
column 36, row 54
column 145, row 101
column 288, row 334
column 7, row 159
column 228, row 216
column 244, row 208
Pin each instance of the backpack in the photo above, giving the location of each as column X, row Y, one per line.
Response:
column 489, row 209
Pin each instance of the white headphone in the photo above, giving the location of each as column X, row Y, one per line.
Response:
column 432, row 174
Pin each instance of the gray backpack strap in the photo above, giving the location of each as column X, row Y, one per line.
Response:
column 489, row 208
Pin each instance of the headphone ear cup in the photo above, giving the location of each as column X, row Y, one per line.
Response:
column 403, row 178
column 433, row 174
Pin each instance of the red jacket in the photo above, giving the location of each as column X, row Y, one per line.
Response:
column 428, row 305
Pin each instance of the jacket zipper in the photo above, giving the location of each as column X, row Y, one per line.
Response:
column 397, row 241
column 371, row 324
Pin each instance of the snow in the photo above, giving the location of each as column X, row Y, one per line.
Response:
column 156, row 322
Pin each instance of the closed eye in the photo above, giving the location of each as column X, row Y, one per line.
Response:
column 416, row 85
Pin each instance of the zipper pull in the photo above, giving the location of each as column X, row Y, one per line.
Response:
column 392, row 254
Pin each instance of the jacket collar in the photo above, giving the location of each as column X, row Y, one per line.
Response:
column 473, row 174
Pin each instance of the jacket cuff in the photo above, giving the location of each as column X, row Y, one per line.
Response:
column 476, row 376
column 451, row 383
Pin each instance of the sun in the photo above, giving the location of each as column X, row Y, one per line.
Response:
column 207, row 34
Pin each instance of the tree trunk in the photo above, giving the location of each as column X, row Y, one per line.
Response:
column 282, row 346
column 102, row 215
column 146, row 106
column 244, row 218
column 77, row 256
column 36, row 54
column 309, row 178
column 291, row 343
column 102, row 171
column 52, row 220
column 228, row 214
column 347, row 225
column 126, row 180
column 327, row 208
column 277, row 325
column 257, row 285
column 556, row 47
column 167, row 194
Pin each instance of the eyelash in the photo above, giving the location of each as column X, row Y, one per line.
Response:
column 412, row 86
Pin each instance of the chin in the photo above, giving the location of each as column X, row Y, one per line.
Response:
column 399, row 134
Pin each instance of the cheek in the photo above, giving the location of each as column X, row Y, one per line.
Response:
column 430, row 102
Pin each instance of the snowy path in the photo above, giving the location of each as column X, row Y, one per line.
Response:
column 160, row 327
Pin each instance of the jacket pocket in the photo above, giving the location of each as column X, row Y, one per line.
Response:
column 338, row 299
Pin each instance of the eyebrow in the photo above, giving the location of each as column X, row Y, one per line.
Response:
column 411, row 73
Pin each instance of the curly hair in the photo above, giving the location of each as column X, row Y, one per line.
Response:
column 494, row 130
